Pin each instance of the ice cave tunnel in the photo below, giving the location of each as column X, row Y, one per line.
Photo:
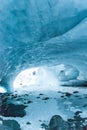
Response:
column 43, row 43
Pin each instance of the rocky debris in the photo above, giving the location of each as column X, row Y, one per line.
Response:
column 37, row 97
column 5, row 128
column 76, row 92
column 62, row 96
column 9, row 125
column 68, row 94
column 9, row 109
column 77, row 122
column 46, row 98
column 12, row 110
column 43, row 125
column 28, row 123
column 29, row 102
column 85, row 105
column 56, row 123
column 41, row 94
column 77, row 113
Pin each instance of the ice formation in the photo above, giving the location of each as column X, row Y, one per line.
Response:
column 37, row 33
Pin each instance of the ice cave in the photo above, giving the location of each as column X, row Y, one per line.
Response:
column 43, row 64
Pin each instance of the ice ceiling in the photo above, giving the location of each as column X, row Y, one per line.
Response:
column 42, row 33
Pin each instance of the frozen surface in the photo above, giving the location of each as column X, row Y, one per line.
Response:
column 46, row 37
column 42, row 105
column 43, row 58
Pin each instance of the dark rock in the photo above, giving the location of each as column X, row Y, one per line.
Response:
column 38, row 97
column 80, row 98
column 85, row 105
column 59, row 92
column 41, row 94
column 46, row 98
column 65, row 98
column 28, row 123
column 77, row 122
column 57, row 123
column 40, row 121
column 43, row 125
column 68, row 94
column 62, row 96
column 78, row 112
column 12, row 124
column 8, row 108
column 76, row 92
column 9, row 125
column 29, row 102
column 5, row 128
column 12, row 110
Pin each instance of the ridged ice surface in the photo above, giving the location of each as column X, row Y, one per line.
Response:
column 42, row 33
column 43, row 63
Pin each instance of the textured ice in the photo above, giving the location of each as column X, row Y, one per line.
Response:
column 43, row 61
column 37, row 33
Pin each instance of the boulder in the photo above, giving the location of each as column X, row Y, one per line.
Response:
column 57, row 123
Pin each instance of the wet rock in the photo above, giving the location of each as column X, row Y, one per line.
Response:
column 65, row 98
column 78, row 112
column 9, row 125
column 12, row 124
column 68, row 94
column 46, row 98
column 62, row 96
column 37, row 97
column 29, row 102
column 5, row 128
column 41, row 94
column 28, row 123
column 40, row 120
column 76, row 92
column 57, row 123
column 77, row 122
column 43, row 125
column 12, row 110
column 85, row 105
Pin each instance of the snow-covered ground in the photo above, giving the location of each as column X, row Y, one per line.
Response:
column 44, row 104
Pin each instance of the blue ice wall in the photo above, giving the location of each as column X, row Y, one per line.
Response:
column 39, row 32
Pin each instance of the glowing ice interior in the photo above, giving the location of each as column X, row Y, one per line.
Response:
column 42, row 78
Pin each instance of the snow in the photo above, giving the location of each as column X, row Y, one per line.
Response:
column 35, row 79
column 2, row 90
column 45, row 78
column 41, row 110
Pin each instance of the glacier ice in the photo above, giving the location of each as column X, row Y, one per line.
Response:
column 37, row 33
column 45, row 78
